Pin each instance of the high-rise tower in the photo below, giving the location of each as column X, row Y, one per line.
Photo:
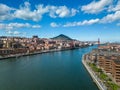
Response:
column 98, row 42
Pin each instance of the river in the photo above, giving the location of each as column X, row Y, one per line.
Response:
column 61, row 70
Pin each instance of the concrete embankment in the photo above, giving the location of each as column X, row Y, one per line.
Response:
column 94, row 77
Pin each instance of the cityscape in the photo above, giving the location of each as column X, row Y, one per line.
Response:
column 18, row 46
column 60, row 45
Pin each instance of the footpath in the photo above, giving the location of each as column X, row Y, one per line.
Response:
column 98, row 82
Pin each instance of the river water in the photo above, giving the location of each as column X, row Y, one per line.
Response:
column 61, row 70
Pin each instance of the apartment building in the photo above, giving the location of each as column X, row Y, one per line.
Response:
column 116, row 71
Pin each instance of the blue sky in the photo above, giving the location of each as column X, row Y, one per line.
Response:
column 78, row 19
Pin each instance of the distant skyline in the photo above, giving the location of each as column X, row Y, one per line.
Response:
column 80, row 19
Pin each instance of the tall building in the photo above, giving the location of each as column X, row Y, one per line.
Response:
column 98, row 42
column 116, row 71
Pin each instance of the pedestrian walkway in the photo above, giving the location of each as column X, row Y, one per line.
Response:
column 99, row 83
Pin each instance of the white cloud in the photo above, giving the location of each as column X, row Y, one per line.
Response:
column 118, row 24
column 53, row 24
column 5, row 12
column 89, row 22
column 111, row 17
column 4, row 9
column 14, row 32
column 74, row 12
column 106, row 19
column 61, row 11
column 9, row 32
column 85, row 22
column 26, row 13
column 36, row 26
column 19, row 25
column 115, row 7
column 12, row 26
column 96, row 6
column 72, row 24
column 52, row 10
column 41, row 9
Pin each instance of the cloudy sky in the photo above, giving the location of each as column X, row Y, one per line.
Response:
column 79, row 19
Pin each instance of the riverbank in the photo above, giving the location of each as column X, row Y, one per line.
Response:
column 94, row 77
column 34, row 53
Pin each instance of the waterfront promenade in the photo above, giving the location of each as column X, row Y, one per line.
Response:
column 98, row 82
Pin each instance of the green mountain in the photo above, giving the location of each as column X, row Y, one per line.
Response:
column 62, row 37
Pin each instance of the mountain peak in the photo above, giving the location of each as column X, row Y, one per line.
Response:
column 62, row 37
